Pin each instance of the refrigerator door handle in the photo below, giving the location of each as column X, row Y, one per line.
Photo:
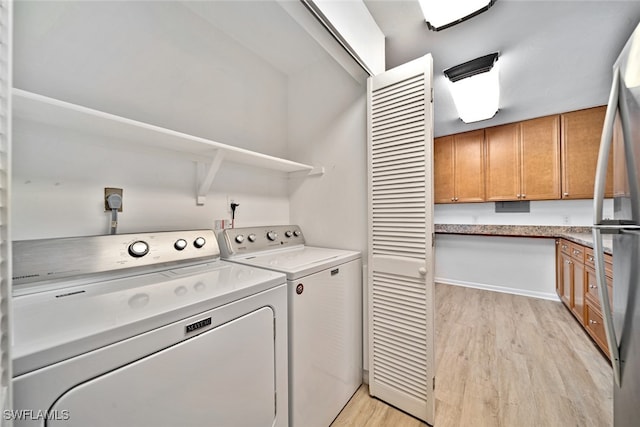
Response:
column 605, row 146
column 598, row 252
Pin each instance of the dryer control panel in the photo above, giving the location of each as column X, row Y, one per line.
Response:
column 53, row 259
column 246, row 240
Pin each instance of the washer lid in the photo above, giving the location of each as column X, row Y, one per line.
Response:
column 57, row 324
column 299, row 261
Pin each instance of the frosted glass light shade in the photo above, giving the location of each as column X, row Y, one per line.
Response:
column 477, row 97
column 441, row 14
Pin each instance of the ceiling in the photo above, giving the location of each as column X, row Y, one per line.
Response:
column 555, row 56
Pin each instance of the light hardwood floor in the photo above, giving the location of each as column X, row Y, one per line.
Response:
column 504, row 360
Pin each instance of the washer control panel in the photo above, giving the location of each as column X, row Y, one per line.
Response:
column 51, row 259
column 236, row 241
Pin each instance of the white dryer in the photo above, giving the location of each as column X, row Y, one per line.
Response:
column 146, row 330
column 325, row 316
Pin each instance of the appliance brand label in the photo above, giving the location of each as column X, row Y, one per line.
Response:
column 198, row 325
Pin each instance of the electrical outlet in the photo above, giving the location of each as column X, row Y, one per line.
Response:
column 230, row 199
column 107, row 192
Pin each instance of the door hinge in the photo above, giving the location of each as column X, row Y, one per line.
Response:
column 434, row 383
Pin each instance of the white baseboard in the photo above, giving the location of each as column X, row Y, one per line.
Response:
column 503, row 289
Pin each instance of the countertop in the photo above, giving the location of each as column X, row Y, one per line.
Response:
column 581, row 235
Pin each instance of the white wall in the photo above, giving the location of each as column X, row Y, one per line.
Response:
column 59, row 180
column 327, row 127
column 524, row 266
column 551, row 212
column 156, row 62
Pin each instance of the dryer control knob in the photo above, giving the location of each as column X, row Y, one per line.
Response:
column 199, row 242
column 288, row 233
column 239, row 238
column 180, row 244
column 138, row 249
column 296, row 233
column 251, row 237
column 272, row 235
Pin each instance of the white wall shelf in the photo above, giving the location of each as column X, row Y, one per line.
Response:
column 42, row 109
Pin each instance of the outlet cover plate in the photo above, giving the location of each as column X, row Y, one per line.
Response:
column 107, row 192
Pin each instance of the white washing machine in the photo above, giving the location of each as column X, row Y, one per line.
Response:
column 325, row 316
column 146, row 330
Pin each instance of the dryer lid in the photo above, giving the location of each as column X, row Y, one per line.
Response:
column 300, row 261
column 54, row 325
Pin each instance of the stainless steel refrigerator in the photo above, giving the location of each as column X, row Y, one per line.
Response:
column 621, row 139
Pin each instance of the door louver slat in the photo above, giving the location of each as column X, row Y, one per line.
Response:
column 400, row 239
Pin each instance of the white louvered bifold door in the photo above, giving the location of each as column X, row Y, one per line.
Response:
column 5, row 179
column 400, row 265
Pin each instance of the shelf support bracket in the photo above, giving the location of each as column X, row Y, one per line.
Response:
column 206, row 177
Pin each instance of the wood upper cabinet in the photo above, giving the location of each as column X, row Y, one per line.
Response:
column 443, row 170
column 581, row 132
column 459, row 168
column 540, row 151
column 523, row 160
column 503, row 162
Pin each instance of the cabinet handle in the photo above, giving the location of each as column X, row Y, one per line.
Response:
column 575, row 252
column 565, row 194
column 453, row 199
column 524, row 196
column 456, row 199
column 564, row 246
column 593, row 287
column 518, row 195
column 593, row 322
column 590, row 258
column 569, row 262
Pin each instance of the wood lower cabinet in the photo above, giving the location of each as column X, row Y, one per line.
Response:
column 581, row 133
column 578, row 289
column 523, row 160
column 459, row 168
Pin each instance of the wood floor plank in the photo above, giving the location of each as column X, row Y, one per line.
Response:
column 504, row 360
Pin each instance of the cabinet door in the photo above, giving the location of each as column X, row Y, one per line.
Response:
column 540, row 157
column 469, row 166
column 581, row 132
column 558, row 269
column 503, row 158
column 578, row 290
column 443, row 166
column 567, row 279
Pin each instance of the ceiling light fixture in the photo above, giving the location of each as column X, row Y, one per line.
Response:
column 441, row 14
column 475, row 88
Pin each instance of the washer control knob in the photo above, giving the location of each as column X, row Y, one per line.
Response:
column 180, row 244
column 251, row 237
column 288, row 233
column 199, row 242
column 239, row 238
column 138, row 249
column 272, row 235
column 296, row 233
